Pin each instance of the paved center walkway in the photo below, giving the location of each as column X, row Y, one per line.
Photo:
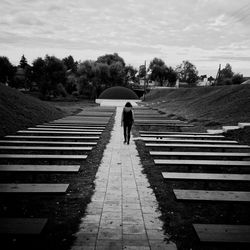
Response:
column 123, row 211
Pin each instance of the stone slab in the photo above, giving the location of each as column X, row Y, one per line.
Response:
column 206, row 176
column 40, row 156
column 70, row 126
column 203, row 162
column 173, row 140
column 180, row 145
column 22, row 226
column 223, row 233
column 58, row 132
column 244, row 124
column 39, row 168
column 228, row 128
column 183, row 136
column 65, row 129
column 46, row 148
column 198, row 154
column 164, row 124
column 64, row 143
column 33, row 188
column 215, row 131
column 53, row 137
column 205, row 195
column 171, row 133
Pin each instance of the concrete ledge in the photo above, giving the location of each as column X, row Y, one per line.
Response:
column 117, row 103
column 227, row 128
column 244, row 124
column 215, row 131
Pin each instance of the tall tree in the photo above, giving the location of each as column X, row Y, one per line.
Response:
column 187, row 72
column 55, row 70
column 226, row 72
column 117, row 74
column 70, row 63
column 7, row 70
column 159, row 71
column 142, row 71
column 50, row 75
column 86, row 72
column 130, row 72
column 102, row 74
column 110, row 59
column 23, row 62
column 171, row 76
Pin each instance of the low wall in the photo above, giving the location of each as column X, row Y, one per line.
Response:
column 117, row 103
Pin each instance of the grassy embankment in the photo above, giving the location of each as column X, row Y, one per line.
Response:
column 206, row 107
column 18, row 111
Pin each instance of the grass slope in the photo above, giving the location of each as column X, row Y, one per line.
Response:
column 203, row 107
column 18, row 111
column 212, row 106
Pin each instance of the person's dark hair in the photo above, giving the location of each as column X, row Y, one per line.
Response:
column 128, row 104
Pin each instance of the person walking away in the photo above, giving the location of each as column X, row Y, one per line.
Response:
column 127, row 121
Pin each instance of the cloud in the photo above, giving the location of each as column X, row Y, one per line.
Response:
column 171, row 29
column 228, row 58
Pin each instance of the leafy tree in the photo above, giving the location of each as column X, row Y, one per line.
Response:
column 70, row 63
column 7, row 70
column 71, row 84
column 210, row 79
column 39, row 69
column 55, row 71
column 23, row 77
column 86, row 72
column 110, row 59
column 130, row 72
column 237, row 78
column 226, row 72
column 87, row 69
column 156, row 62
column 161, row 73
column 39, row 75
column 117, row 74
column 171, row 76
column 142, row 71
column 187, row 72
column 23, row 62
column 227, row 76
column 102, row 75
column 159, row 70
column 50, row 75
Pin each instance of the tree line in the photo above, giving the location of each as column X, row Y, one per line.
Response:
column 51, row 76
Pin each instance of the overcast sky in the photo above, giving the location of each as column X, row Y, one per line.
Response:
column 205, row 32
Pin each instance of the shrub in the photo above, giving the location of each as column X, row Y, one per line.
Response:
column 118, row 92
column 237, row 79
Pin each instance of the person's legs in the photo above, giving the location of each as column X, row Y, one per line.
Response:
column 129, row 129
column 125, row 132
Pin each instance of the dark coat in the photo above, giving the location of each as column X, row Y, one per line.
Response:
column 127, row 116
